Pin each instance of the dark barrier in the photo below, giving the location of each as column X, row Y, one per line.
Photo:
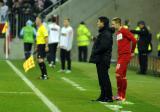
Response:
column 153, row 64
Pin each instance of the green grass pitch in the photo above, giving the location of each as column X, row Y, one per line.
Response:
column 16, row 96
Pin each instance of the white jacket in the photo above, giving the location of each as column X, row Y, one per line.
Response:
column 54, row 33
column 66, row 38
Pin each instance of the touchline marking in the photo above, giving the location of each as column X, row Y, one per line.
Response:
column 44, row 99
column 118, row 107
column 73, row 84
column 114, row 107
column 12, row 92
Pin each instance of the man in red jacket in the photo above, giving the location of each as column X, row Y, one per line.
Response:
column 126, row 45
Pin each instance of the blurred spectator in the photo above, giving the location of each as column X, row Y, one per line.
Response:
column 3, row 12
column 83, row 40
column 28, row 34
column 158, row 48
column 126, row 23
column 149, row 40
column 143, row 43
column 53, row 40
column 16, row 6
column 137, row 37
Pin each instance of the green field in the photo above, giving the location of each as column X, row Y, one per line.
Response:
column 17, row 96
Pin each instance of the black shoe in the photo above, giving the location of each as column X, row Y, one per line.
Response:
column 98, row 99
column 102, row 100
column 142, row 73
column 106, row 100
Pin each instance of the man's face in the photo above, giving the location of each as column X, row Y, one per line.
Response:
column 38, row 21
column 141, row 26
column 115, row 25
column 100, row 24
column 66, row 23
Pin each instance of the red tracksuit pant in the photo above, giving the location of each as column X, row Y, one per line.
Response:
column 121, row 70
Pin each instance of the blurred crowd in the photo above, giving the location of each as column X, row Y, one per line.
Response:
column 23, row 6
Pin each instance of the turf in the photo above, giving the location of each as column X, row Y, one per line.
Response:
column 143, row 91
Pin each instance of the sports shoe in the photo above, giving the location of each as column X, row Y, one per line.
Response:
column 68, row 71
column 61, row 71
column 50, row 65
column 44, row 77
column 117, row 98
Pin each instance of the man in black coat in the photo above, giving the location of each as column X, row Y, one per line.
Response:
column 101, row 56
column 143, row 44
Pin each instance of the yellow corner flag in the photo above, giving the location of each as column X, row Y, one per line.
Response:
column 29, row 63
column 5, row 28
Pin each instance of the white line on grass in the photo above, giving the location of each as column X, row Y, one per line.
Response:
column 45, row 100
column 74, row 84
column 12, row 92
column 119, row 107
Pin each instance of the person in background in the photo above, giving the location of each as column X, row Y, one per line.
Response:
column 66, row 40
column 126, row 24
column 137, row 38
column 83, row 40
column 3, row 12
column 158, row 48
column 143, row 44
column 150, row 40
column 28, row 34
column 41, row 46
column 101, row 56
column 53, row 40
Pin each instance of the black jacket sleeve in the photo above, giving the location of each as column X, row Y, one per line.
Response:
column 140, row 32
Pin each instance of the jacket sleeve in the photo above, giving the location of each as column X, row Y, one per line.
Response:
column 131, row 37
column 140, row 32
column 87, row 32
column 104, row 44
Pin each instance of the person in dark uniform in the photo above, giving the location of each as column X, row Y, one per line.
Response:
column 143, row 43
column 101, row 56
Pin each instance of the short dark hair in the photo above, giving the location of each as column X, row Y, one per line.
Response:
column 142, row 23
column 117, row 20
column 105, row 20
column 82, row 22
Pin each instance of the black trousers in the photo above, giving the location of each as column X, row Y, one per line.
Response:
column 104, row 80
column 143, row 62
column 158, row 53
column 82, row 53
column 65, row 56
column 27, row 50
column 52, row 53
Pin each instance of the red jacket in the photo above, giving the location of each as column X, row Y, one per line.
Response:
column 126, row 41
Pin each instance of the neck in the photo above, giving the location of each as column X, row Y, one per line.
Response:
column 39, row 24
column 119, row 28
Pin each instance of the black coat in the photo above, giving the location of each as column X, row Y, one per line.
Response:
column 102, row 48
column 144, row 39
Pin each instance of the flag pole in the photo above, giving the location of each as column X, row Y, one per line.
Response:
column 7, row 43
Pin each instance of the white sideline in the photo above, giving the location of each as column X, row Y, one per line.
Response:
column 74, row 84
column 13, row 92
column 44, row 99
